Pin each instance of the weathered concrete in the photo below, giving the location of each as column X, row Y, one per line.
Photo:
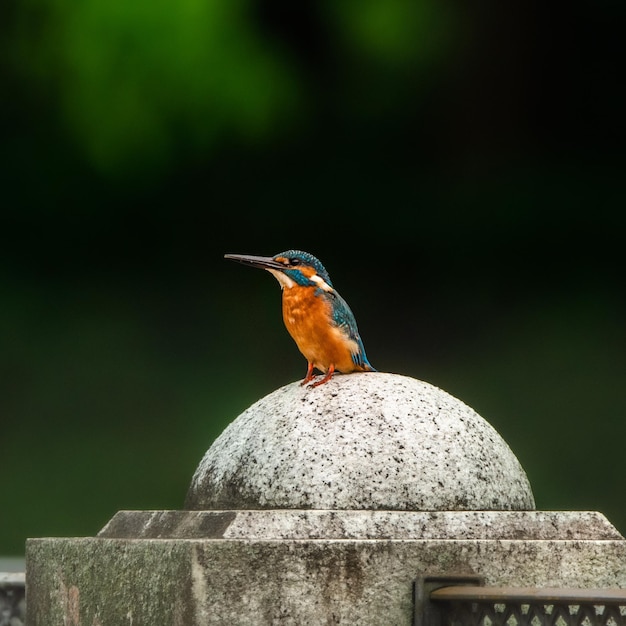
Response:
column 327, row 504
column 12, row 599
column 363, row 441
column 311, row 524
column 198, row 582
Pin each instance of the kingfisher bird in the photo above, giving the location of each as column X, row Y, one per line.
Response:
column 318, row 319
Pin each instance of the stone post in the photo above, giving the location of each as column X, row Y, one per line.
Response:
column 322, row 506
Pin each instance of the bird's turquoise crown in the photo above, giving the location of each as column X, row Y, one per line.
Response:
column 298, row 256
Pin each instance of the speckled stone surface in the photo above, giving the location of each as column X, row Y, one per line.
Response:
column 328, row 504
column 194, row 582
column 362, row 441
column 294, row 524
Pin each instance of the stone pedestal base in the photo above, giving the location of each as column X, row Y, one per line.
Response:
column 192, row 568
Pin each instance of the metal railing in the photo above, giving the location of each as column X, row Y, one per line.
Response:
column 464, row 601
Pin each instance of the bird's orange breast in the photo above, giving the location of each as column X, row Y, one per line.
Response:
column 308, row 318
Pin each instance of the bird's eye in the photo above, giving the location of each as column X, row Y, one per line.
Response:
column 294, row 261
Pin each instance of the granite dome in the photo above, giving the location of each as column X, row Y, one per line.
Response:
column 360, row 441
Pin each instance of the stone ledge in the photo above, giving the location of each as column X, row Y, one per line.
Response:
column 200, row 582
column 317, row 524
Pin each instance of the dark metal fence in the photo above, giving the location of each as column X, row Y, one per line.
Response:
column 465, row 601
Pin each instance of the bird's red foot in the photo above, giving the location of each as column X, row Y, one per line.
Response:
column 309, row 375
column 329, row 375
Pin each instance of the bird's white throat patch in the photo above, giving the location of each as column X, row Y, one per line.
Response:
column 283, row 279
column 288, row 283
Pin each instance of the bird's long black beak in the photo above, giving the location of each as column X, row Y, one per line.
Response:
column 265, row 262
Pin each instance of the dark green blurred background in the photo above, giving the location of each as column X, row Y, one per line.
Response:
column 458, row 167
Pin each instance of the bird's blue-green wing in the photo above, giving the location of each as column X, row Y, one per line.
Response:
column 344, row 319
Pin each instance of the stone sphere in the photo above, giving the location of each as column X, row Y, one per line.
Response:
column 360, row 441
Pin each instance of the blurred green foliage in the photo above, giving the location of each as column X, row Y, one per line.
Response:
column 131, row 78
column 394, row 35
column 133, row 81
column 458, row 169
